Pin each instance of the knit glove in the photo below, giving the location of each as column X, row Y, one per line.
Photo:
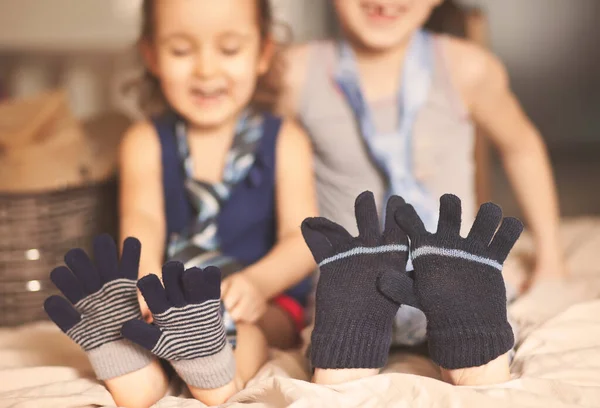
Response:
column 104, row 297
column 187, row 330
column 459, row 284
column 353, row 320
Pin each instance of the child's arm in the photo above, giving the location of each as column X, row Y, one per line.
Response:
column 141, row 200
column 494, row 107
column 290, row 260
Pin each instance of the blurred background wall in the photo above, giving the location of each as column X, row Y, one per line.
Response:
column 551, row 50
column 549, row 46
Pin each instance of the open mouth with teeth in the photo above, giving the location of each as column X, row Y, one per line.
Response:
column 381, row 11
column 206, row 96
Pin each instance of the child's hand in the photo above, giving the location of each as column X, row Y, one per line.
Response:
column 242, row 299
column 146, row 314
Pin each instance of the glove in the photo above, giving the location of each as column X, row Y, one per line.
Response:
column 188, row 329
column 105, row 297
column 459, row 284
column 353, row 320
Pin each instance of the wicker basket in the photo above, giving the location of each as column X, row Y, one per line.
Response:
column 36, row 230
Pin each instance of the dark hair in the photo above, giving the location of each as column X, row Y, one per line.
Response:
column 268, row 87
column 447, row 18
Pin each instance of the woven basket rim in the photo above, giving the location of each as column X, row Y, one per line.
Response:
column 57, row 191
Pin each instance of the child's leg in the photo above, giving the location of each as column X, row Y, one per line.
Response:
column 279, row 327
column 140, row 388
column 250, row 354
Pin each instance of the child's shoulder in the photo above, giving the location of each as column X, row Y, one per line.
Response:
column 141, row 132
column 291, row 138
column 140, row 142
column 472, row 66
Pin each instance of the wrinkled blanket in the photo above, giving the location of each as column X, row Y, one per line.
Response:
column 557, row 363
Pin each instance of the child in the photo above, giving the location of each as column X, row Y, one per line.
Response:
column 215, row 179
column 392, row 108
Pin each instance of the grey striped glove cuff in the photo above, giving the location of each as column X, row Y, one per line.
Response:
column 208, row 372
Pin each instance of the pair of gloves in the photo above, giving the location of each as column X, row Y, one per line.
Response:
column 102, row 315
column 457, row 284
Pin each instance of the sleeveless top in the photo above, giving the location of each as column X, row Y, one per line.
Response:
column 442, row 139
column 246, row 224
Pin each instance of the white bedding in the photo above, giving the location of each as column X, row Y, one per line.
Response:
column 557, row 363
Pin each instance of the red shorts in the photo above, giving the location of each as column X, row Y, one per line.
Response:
column 293, row 308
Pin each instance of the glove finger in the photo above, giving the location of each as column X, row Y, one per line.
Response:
column 488, row 218
column 141, row 333
column 322, row 235
column 367, row 219
column 319, row 245
column 506, row 237
column 82, row 267
column 397, row 287
column 410, row 222
column 62, row 313
column 202, row 285
column 393, row 234
column 154, row 294
column 107, row 258
column 172, row 274
column 130, row 258
column 67, row 283
column 335, row 233
column 450, row 215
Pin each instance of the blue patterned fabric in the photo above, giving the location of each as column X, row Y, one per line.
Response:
column 393, row 152
column 198, row 244
column 247, row 222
